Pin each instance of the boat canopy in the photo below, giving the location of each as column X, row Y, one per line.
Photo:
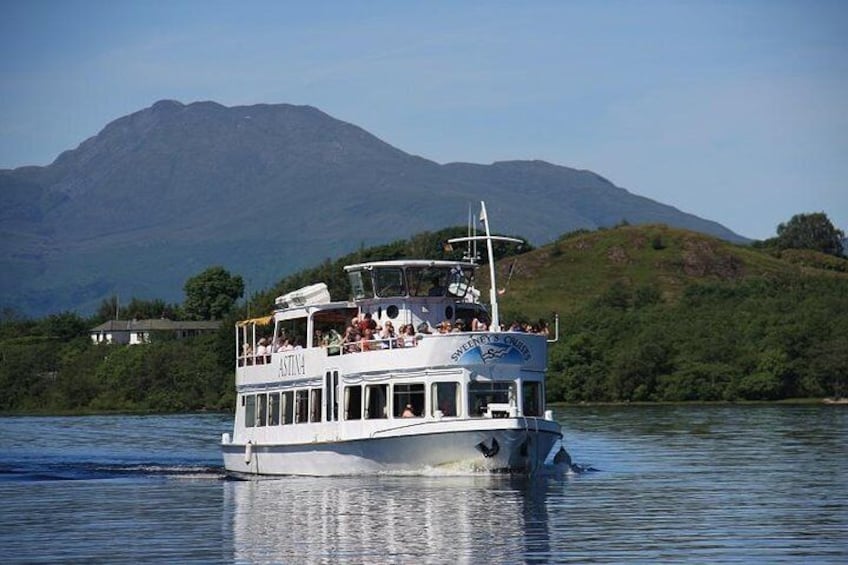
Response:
column 260, row 321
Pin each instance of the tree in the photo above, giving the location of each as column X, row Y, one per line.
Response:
column 810, row 231
column 211, row 294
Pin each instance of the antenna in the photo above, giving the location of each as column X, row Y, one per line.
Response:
column 471, row 254
column 493, row 289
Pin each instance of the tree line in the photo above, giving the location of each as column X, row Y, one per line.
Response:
column 758, row 339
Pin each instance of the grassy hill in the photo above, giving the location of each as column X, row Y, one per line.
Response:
column 656, row 313
column 582, row 266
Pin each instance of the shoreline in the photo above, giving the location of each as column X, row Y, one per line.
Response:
column 829, row 401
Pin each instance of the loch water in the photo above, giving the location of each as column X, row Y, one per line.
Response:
column 672, row 484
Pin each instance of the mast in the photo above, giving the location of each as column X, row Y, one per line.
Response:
column 493, row 289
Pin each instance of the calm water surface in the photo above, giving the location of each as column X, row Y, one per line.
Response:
column 699, row 484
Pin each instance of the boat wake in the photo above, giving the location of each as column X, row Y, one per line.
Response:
column 87, row 471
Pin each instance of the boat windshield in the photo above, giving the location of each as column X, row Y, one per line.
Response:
column 388, row 281
column 361, row 285
column 439, row 281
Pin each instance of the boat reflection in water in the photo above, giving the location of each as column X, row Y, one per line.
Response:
column 453, row 519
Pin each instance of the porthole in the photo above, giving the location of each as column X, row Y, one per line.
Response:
column 449, row 313
column 392, row 311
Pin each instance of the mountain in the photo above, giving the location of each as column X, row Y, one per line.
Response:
column 264, row 190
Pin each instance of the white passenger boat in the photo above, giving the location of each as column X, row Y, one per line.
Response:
column 309, row 403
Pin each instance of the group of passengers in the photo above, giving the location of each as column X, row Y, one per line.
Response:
column 266, row 346
column 365, row 334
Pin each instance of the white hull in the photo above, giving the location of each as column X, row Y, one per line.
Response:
column 510, row 445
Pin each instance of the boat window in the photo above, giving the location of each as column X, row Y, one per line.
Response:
column 261, row 409
column 274, row 409
column 332, row 385
column 408, row 397
column 287, row 399
column 353, row 403
column 315, row 412
column 445, row 397
column 289, row 334
column 301, row 406
column 331, row 325
column 439, row 281
column 376, row 400
column 481, row 394
column 249, row 411
column 427, row 281
column 360, row 284
column 532, row 393
column 389, row 281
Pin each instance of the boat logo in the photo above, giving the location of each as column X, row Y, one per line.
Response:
column 492, row 349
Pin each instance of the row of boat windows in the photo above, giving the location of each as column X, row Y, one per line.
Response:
column 382, row 401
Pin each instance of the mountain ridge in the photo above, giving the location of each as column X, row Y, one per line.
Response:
column 265, row 189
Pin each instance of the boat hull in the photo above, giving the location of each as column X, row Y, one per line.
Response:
column 512, row 446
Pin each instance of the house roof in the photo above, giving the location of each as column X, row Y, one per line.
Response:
column 160, row 324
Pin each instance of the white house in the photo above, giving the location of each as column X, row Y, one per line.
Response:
column 134, row 332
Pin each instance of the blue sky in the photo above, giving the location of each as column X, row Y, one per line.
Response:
column 736, row 111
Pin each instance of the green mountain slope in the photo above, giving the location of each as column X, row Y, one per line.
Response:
column 656, row 313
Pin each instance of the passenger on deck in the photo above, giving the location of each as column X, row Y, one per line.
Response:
column 388, row 334
column 407, row 412
column 478, row 325
column 407, row 336
column 351, row 339
column 367, row 343
column 334, row 341
column 367, row 323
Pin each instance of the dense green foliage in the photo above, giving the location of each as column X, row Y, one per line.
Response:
column 808, row 231
column 647, row 314
column 212, row 294
column 759, row 339
column 43, row 371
